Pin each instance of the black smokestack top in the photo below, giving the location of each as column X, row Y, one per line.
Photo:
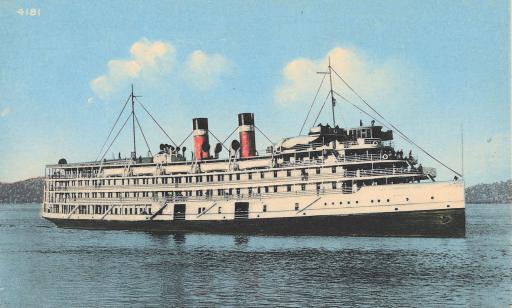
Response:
column 245, row 119
column 200, row 123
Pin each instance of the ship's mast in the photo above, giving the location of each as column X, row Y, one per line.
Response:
column 333, row 100
column 134, row 155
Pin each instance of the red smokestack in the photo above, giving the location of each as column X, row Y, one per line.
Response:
column 201, row 144
column 247, row 138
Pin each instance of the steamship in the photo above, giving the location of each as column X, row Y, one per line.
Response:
column 330, row 181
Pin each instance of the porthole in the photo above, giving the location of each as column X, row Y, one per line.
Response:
column 303, row 213
column 447, row 205
column 378, row 200
column 357, row 201
column 372, row 200
column 341, row 203
column 387, row 200
column 396, row 209
column 406, row 199
column 348, row 202
column 325, row 203
column 333, row 203
column 432, row 197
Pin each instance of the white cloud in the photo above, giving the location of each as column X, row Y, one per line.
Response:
column 203, row 70
column 90, row 100
column 300, row 78
column 149, row 61
column 5, row 111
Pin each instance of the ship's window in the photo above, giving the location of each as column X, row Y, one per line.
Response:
column 348, row 202
column 220, row 177
column 447, row 205
column 333, row 185
column 296, row 206
column 238, row 176
column 130, row 211
column 231, row 177
column 317, row 170
column 249, row 175
column 275, row 188
column 387, row 200
column 317, row 186
column 372, row 201
column 432, row 197
column 259, row 190
column 230, row 191
column 378, row 200
column 275, row 174
column 333, row 169
column 238, row 191
column 125, row 211
column 406, row 199
column 266, row 189
column 199, row 210
column 341, row 203
column 149, row 211
column 262, row 175
column 325, row 203
column 332, row 203
column 396, row 209
column 250, row 190
column 288, row 187
column 219, row 210
column 303, row 186
column 288, row 172
column 264, row 208
column 357, row 201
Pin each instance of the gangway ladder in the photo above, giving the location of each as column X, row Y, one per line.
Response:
column 160, row 210
column 205, row 211
column 107, row 212
column 307, row 206
column 73, row 211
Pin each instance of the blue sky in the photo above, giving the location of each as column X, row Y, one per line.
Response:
column 428, row 66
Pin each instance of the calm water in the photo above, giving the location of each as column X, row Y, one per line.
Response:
column 41, row 265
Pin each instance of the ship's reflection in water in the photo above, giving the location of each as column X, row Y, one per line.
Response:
column 92, row 268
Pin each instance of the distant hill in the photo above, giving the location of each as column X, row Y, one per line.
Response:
column 31, row 190
column 27, row 191
column 498, row 192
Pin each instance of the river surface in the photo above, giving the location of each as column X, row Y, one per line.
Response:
column 44, row 266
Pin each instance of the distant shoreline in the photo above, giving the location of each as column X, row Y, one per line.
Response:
column 31, row 191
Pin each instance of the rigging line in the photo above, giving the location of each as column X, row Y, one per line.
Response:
column 319, row 112
column 124, row 124
column 153, row 118
column 143, row 136
column 394, row 127
column 401, row 134
column 186, row 139
column 360, row 109
column 312, row 103
column 218, row 140
column 230, row 135
column 264, row 135
column 112, row 129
